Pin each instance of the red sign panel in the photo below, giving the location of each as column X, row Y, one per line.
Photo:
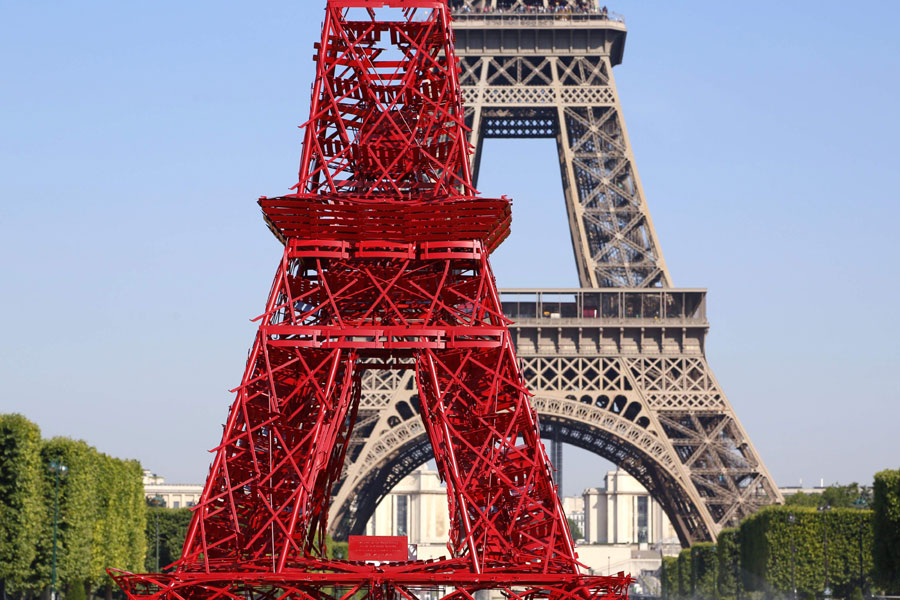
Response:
column 383, row 548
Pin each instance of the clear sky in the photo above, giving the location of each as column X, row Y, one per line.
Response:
column 136, row 136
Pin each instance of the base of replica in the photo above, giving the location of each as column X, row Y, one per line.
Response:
column 338, row 580
column 385, row 266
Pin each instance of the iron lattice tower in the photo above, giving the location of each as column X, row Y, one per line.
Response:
column 385, row 268
column 617, row 367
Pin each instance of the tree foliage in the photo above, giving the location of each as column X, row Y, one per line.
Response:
column 685, row 574
column 119, row 537
column 834, row 496
column 100, row 520
column 728, row 555
column 704, row 571
column 173, row 525
column 21, row 511
column 575, row 530
column 77, row 510
column 668, row 578
column 75, row 591
column 337, row 550
column 886, row 542
column 771, row 544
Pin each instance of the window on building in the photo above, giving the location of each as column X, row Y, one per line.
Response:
column 642, row 519
column 176, row 504
column 402, row 506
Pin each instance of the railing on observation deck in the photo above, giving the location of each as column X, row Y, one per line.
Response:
column 658, row 306
column 534, row 15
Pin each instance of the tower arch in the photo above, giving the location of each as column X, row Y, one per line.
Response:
column 401, row 447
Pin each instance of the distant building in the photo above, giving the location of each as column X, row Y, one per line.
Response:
column 417, row 508
column 627, row 528
column 621, row 511
column 791, row 490
column 171, row 495
column 574, row 509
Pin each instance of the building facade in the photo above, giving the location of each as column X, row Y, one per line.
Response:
column 170, row 495
column 417, row 508
column 574, row 508
column 621, row 511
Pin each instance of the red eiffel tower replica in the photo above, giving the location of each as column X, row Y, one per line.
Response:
column 385, row 267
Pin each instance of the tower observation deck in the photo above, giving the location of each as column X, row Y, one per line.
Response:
column 617, row 367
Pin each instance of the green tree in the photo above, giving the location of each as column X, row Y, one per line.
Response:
column 77, row 512
column 136, row 513
column 803, row 499
column 100, row 512
column 336, row 550
column 729, row 558
column 704, row 571
column 847, row 496
column 771, row 543
column 668, row 578
column 886, row 543
column 118, row 537
column 173, row 525
column 22, row 514
column 685, row 574
column 75, row 590
column 577, row 534
column 834, row 496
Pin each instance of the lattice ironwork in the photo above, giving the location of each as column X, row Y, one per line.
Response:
column 385, row 267
column 612, row 233
column 534, row 123
column 683, row 444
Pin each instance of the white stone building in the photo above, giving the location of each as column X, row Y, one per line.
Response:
column 417, row 508
column 623, row 512
column 624, row 523
column 574, row 509
column 173, row 495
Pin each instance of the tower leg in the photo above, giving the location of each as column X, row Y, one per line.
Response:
column 613, row 237
column 556, row 459
column 266, row 499
column 476, row 139
column 485, row 436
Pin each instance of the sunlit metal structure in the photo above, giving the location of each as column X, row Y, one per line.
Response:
column 618, row 367
column 385, row 268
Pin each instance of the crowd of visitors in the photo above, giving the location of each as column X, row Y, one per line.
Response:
column 553, row 6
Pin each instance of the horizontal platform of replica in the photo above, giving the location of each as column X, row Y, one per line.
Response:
column 390, row 337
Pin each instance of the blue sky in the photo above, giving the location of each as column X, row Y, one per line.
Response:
column 136, row 136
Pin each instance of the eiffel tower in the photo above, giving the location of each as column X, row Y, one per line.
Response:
column 618, row 366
